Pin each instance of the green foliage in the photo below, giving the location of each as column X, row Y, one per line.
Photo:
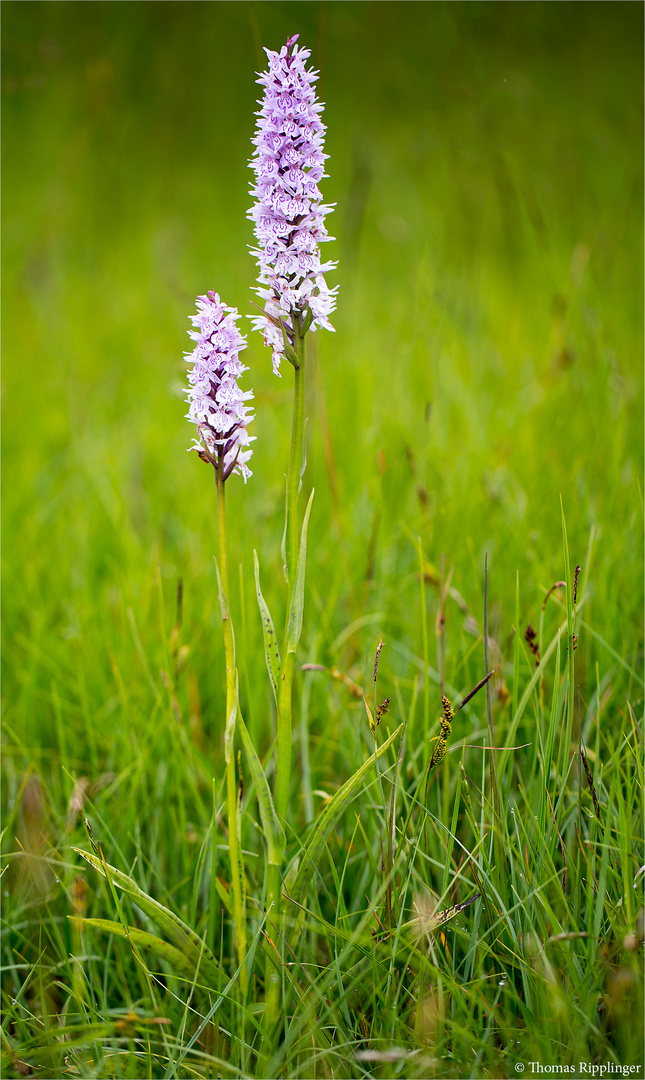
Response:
column 184, row 939
column 271, row 648
column 486, row 169
column 313, row 851
column 273, row 830
column 177, row 961
column 294, row 625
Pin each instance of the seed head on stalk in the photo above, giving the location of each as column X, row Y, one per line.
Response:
column 217, row 404
column 445, row 731
column 288, row 212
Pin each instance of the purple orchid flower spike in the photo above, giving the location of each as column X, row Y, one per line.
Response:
column 217, row 404
column 288, row 211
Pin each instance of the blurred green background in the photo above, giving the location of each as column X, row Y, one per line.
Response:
column 486, row 166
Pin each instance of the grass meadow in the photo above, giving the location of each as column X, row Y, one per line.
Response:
column 479, row 402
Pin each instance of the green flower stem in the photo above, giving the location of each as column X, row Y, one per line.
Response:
column 285, row 718
column 283, row 764
column 272, row 954
column 295, row 462
column 274, row 929
column 237, row 884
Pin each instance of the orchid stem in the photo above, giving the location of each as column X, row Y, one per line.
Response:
column 285, row 689
column 283, row 768
column 234, row 847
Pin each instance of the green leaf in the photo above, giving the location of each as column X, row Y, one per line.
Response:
column 221, row 887
column 315, row 846
column 294, row 626
column 406, row 934
column 304, row 456
column 182, row 937
column 271, row 650
column 369, row 715
column 283, row 545
column 223, row 602
column 274, row 832
column 289, row 350
column 427, row 924
column 175, row 958
column 229, row 732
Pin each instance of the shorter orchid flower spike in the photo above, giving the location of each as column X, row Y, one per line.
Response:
column 217, row 404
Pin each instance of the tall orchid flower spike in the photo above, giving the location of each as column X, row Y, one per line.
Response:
column 217, row 404
column 288, row 211
column 289, row 218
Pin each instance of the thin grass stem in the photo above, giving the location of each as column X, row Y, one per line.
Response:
column 424, row 631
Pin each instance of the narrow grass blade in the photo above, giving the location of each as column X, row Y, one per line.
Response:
column 271, row 650
column 315, row 846
column 274, row 832
column 283, row 545
column 426, row 924
column 175, row 958
column 504, row 754
column 619, row 659
column 181, row 935
column 229, row 732
column 550, row 743
column 570, row 635
column 451, row 834
column 489, row 712
column 294, row 626
column 221, row 595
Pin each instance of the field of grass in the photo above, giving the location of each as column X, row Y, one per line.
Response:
column 482, row 390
